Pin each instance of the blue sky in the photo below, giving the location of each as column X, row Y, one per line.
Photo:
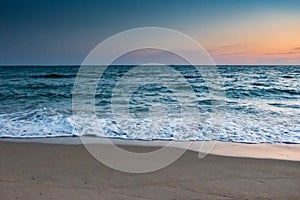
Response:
column 233, row 32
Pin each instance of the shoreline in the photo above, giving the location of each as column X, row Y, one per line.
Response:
column 277, row 151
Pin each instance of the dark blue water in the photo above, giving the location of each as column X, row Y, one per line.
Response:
column 262, row 104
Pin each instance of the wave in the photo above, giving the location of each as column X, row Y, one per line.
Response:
column 281, row 105
column 287, row 76
column 238, row 127
column 258, row 84
column 54, row 76
column 263, row 93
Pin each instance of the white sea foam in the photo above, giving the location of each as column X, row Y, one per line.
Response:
column 237, row 128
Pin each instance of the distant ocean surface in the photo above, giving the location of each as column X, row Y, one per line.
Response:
column 262, row 104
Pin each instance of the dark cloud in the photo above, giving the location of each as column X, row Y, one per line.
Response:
column 232, row 54
column 297, row 49
column 293, row 51
column 281, row 53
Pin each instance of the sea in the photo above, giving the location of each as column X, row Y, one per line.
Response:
column 261, row 104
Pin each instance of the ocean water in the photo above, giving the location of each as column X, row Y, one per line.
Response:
column 262, row 104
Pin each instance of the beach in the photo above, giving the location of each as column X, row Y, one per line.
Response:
column 62, row 170
column 150, row 100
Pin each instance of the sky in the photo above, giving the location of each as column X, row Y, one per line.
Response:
column 51, row 32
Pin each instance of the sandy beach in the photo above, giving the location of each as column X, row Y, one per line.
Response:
column 31, row 170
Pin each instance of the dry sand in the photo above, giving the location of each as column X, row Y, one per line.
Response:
column 55, row 171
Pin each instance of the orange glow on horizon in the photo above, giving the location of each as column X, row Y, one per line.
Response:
column 263, row 38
